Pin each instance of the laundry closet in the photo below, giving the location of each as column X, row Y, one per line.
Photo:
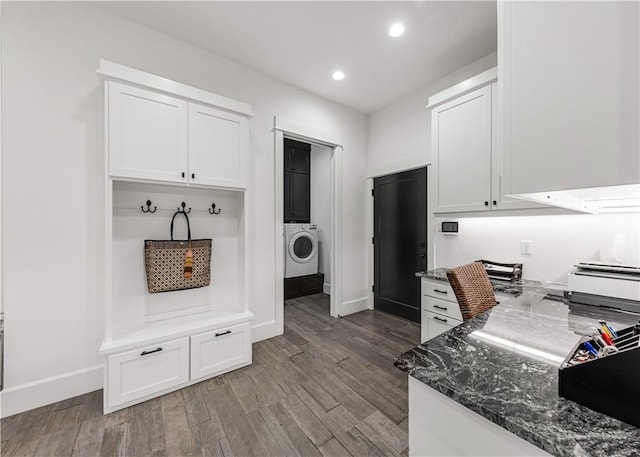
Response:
column 307, row 219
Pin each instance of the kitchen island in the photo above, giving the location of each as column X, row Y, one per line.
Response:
column 490, row 385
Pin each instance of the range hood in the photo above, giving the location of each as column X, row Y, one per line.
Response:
column 612, row 199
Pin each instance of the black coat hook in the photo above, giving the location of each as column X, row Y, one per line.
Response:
column 183, row 204
column 148, row 210
column 213, row 209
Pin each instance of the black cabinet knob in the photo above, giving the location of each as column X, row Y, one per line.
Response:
column 193, row 176
column 486, row 203
column 183, row 174
column 495, row 202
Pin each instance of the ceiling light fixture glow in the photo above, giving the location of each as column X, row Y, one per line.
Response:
column 396, row 30
column 338, row 75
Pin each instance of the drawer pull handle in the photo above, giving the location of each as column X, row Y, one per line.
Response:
column 439, row 319
column 443, row 308
column 223, row 333
column 440, row 291
column 150, row 352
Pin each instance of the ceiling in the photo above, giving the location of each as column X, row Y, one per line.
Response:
column 304, row 42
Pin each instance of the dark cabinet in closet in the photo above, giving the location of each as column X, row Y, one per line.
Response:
column 296, row 156
column 297, row 182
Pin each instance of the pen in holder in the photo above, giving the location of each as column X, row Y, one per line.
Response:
column 606, row 381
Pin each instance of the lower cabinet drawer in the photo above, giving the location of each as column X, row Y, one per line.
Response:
column 434, row 324
column 438, row 289
column 144, row 371
column 216, row 351
column 444, row 307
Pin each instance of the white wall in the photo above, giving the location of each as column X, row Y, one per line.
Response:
column 52, row 200
column 400, row 134
column 559, row 242
column 321, row 206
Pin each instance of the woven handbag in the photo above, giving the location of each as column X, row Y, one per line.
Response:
column 177, row 265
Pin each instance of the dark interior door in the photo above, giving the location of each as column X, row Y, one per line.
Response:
column 400, row 241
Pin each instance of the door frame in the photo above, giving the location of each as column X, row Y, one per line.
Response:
column 291, row 129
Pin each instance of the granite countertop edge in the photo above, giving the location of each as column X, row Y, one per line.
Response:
column 515, row 427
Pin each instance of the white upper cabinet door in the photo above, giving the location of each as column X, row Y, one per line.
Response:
column 499, row 199
column 461, row 152
column 570, row 84
column 218, row 147
column 147, row 134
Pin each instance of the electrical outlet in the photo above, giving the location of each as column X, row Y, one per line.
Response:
column 526, row 247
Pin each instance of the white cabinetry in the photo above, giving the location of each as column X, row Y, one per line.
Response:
column 147, row 134
column 461, row 152
column 467, row 162
column 216, row 351
column 440, row 309
column 170, row 143
column 570, row 94
column 158, row 365
column 153, row 136
column 217, row 147
column 145, row 371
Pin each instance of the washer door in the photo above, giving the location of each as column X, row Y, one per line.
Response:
column 302, row 247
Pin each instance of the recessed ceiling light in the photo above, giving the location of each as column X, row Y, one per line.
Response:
column 338, row 75
column 396, row 30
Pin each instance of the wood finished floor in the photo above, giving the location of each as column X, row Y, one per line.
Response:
column 326, row 387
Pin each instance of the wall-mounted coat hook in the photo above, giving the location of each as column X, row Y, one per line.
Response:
column 148, row 210
column 183, row 204
column 212, row 210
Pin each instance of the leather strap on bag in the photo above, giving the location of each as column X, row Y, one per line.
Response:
column 187, row 268
column 188, row 225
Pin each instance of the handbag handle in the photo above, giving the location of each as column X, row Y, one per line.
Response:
column 188, row 225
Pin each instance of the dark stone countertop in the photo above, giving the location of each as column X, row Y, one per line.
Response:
column 503, row 364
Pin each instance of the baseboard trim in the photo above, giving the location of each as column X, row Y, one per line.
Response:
column 354, row 306
column 50, row 390
column 326, row 288
column 264, row 331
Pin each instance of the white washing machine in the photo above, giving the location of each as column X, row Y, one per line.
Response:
column 301, row 250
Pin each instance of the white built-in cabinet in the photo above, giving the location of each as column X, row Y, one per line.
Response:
column 569, row 94
column 462, row 152
column 154, row 136
column 466, row 157
column 214, row 352
column 146, row 370
column 218, row 147
column 170, row 143
column 440, row 311
column 147, row 134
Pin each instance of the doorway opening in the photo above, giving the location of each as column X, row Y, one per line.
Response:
column 328, row 144
column 307, row 220
column 400, row 241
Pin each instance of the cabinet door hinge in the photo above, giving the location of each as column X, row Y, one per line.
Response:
column 372, row 192
column 373, row 240
column 373, row 288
